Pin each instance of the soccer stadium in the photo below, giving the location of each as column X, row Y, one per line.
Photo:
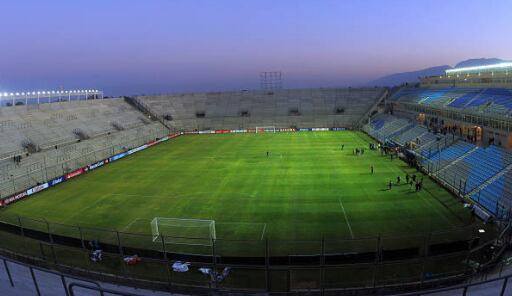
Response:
column 370, row 190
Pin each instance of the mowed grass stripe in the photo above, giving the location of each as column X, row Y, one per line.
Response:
column 296, row 191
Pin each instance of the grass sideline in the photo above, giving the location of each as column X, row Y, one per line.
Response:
column 306, row 190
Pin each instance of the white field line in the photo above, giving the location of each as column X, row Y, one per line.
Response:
column 346, row 219
column 263, row 232
column 131, row 223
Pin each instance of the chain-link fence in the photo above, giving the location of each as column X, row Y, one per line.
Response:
column 257, row 265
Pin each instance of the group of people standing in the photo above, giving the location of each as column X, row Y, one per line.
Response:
column 409, row 179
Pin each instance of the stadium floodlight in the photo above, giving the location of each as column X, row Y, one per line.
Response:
column 477, row 68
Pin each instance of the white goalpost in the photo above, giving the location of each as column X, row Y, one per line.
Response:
column 183, row 231
column 265, row 129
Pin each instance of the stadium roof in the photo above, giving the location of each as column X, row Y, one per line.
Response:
column 501, row 67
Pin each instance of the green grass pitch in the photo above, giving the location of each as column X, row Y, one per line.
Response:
column 307, row 189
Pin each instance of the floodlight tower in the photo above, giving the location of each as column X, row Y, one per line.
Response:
column 271, row 80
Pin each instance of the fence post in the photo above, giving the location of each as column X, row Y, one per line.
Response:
column 50, row 236
column 35, row 281
column 267, row 265
column 81, row 236
column 119, row 243
column 63, row 280
column 377, row 249
column 22, row 232
column 8, row 273
column 322, row 266
column 163, row 247
column 504, row 287
column 214, row 259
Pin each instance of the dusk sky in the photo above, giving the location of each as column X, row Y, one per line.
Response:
column 136, row 47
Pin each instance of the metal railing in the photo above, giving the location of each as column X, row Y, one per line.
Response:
column 257, row 265
column 64, row 278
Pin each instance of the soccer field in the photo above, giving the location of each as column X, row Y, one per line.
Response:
column 308, row 188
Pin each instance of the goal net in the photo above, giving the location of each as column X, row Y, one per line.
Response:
column 183, row 231
column 265, row 129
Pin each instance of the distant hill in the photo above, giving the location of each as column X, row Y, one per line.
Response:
column 413, row 77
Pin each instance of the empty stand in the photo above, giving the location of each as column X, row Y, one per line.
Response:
column 248, row 109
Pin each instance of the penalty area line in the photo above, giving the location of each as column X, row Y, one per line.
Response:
column 263, row 232
column 131, row 224
column 346, row 219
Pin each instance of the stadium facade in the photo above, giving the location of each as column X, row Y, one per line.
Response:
column 456, row 128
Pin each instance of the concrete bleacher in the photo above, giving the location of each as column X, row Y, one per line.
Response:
column 47, row 125
column 280, row 108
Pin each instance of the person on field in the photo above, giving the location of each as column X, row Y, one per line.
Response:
column 371, row 168
column 390, row 185
column 268, row 153
column 398, row 179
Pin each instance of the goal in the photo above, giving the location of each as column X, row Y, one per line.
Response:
column 183, row 231
column 265, row 129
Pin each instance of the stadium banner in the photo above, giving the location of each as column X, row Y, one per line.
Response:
column 251, row 130
column 238, row 131
column 163, row 139
column 151, row 143
column 338, row 129
column 305, row 129
column 56, row 181
column 222, row 131
column 140, row 148
column 97, row 164
column 76, row 173
column 191, row 133
column 206, row 132
column 172, row 136
column 118, row 156
column 287, row 130
column 37, row 189
column 14, row 198
column 320, row 129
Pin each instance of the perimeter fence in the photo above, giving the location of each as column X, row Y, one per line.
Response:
column 256, row 265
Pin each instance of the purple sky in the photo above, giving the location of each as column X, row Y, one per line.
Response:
column 133, row 47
